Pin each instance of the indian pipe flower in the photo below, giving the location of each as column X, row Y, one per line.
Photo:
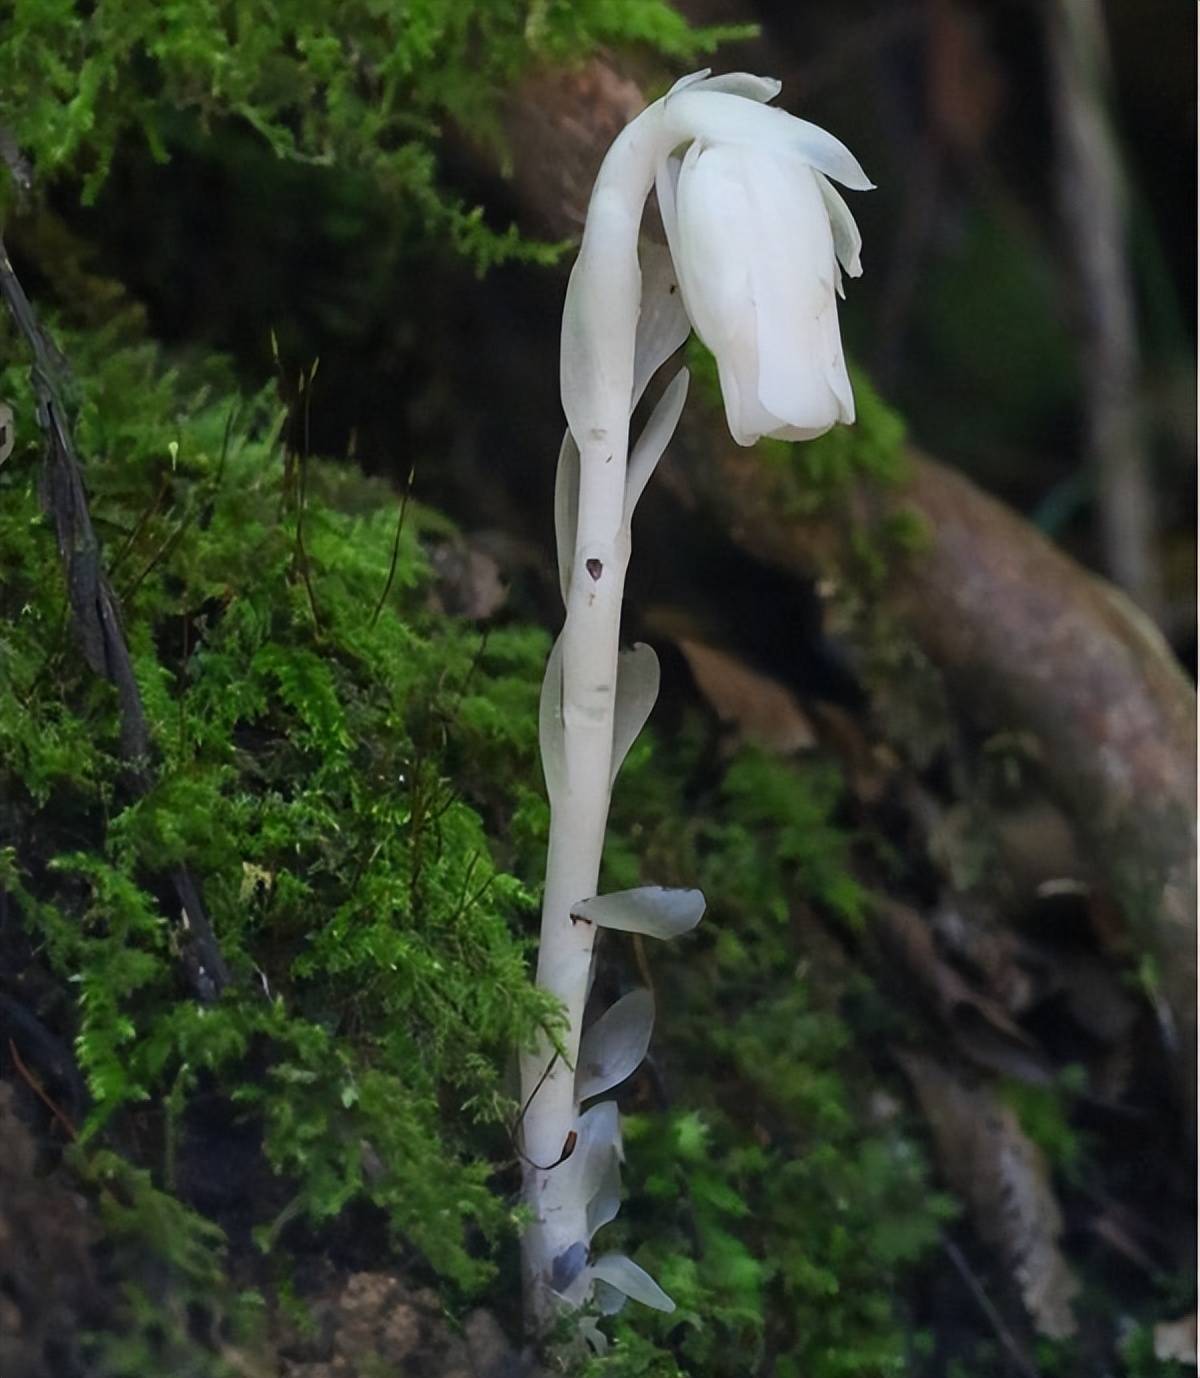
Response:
column 756, row 231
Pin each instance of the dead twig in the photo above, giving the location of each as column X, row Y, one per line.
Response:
column 40, row 1092
column 387, row 587
column 984, row 1302
column 96, row 614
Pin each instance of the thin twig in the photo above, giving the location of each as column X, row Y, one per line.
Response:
column 302, row 496
column 170, row 541
column 387, row 588
column 643, row 963
column 138, row 527
column 1003, row 1334
column 96, row 613
column 40, row 1092
column 572, row 1137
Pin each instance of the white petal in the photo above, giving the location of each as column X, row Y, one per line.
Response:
column 793, row 276
column 731, row 395
column 716, row 117
column 794, row 433
column 756, row 264
column 690, row 80
column 834, row 359
column 846, row 239
column 716, row 245
column 666, row 182
column 748, row 419
column 742, row 84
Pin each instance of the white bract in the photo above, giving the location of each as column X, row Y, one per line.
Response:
column 756, row 233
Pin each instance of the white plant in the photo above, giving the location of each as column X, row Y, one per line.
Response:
column 755, row 233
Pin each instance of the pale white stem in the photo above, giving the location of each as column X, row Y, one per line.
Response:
column 602, row 309
column 590, row 644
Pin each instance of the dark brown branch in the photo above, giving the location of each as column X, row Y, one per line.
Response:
column 96, row 615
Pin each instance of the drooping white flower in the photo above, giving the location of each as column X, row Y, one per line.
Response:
column 756, row 231
column 751, row 235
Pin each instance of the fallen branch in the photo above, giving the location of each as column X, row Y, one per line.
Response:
column 96, row 615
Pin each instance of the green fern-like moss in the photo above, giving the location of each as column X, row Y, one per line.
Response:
column 378, row 952
column 364, row 87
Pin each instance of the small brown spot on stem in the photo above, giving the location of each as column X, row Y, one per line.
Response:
column 595, row 568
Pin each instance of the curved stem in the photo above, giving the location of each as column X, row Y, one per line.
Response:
column 600, row 319
column 590, row 644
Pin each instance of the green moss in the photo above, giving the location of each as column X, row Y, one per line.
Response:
column 306, row 775
column 172, row 1264
column 370, row 94
column 1043, row 1114
column 326, row 773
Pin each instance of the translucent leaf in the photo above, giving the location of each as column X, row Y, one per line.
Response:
column 598, row 1145
column 608, row 1299
column 654, row 439
column 606, row 1200
column 592, row 1333
column 568, row 1265
column 566, row 509
column 614, row 1045
column 637, row 689
column 653, row 910
column 625, row 1275
column 663, row 324
column 551, row 741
